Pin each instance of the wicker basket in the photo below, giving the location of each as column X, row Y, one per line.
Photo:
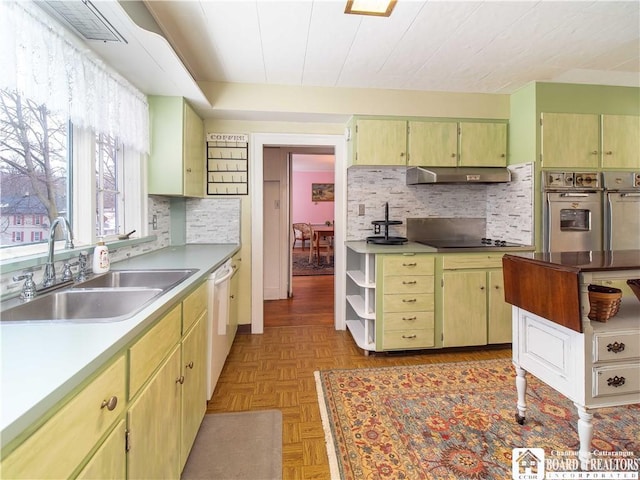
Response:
column 634, row 285
column 604, row 302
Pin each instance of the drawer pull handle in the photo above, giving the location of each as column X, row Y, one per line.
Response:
column 189, row 365
column 409, row 318
column 110, row 404
column 413, row 282
column 409, row 336
column 409, row 300
column 180, row 379
column 409, row 264
column 615, row 347
column 616, row 381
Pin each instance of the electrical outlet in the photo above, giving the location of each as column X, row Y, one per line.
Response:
column 361, row 210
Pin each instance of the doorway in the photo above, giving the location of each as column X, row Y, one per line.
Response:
column 297, row 191
column 258, row 246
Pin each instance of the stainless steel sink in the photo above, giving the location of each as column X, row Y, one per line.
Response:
column 81, row 305
column 164, row 279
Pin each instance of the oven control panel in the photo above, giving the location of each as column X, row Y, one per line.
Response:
column 570, row 180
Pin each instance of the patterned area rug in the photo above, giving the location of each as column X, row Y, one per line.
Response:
column 301, row 265
column 451, row 421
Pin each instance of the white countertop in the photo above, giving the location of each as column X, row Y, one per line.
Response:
column 42, row 362
column 361, row 246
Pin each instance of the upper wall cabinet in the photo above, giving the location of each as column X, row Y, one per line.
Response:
column 452, row 144
column 433, row 144
column 380, row 142
column 574, row 141
column 483, row 144
column 176, row 163
column 570, row 140
column 620, row 141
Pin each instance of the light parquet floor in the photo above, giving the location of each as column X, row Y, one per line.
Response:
column 275, row 370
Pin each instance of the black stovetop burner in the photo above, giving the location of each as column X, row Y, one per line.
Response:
column 469, row 242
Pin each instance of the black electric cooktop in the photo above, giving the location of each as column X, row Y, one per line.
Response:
column 471, row 244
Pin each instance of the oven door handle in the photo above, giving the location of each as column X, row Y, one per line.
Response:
column 574, row 194
column 630, row 194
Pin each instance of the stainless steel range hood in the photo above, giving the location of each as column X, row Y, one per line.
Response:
column 424, row 175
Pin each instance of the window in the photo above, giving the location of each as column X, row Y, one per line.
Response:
column 108, row 180
column 34, row 168
column 36, row 236
column 18, row 237
column 37, row 220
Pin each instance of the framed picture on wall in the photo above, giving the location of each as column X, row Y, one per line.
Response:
column 322, row 192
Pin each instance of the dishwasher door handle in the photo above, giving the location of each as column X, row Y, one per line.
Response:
column 224, row 278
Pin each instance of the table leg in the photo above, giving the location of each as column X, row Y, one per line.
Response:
column 585, row 433
column 521, row 388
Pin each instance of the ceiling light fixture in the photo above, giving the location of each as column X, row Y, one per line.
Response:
column 379, row 8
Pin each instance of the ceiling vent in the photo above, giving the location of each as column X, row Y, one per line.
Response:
column 85, row 19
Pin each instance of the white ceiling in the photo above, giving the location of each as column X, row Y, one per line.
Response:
column 455, row 46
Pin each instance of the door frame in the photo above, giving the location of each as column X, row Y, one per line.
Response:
column 258, row 142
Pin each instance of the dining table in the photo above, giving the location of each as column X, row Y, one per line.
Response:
column 322, row 230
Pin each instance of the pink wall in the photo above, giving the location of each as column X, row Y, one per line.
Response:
column 303, row 210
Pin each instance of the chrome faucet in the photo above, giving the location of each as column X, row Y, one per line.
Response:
column 49, row 277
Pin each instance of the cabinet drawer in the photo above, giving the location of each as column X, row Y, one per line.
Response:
column 407, row 303
column 616, row 346
column 408, row 320
column 408, row 284
column 193, row 306
column 60, row 445
column 147, row 353
column 407, row 265
column 408, row 339
column 485, row 260
column 616, row 380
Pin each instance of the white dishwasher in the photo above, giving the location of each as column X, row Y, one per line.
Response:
column 218, row 342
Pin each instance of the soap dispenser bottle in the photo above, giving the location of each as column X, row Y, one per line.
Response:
column 101, row 261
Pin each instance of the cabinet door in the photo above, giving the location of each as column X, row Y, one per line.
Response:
column 499, row 321
column 194, row 389
column 110, row 459
column 570, row 140
column 381, row 142
column 464, row 308
column 154, row 424
column 483, row 144
column 620, row 141
column 433, row 144
column 59, row 446
column 193, row 149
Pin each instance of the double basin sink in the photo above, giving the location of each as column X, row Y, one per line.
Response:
column 110, row 297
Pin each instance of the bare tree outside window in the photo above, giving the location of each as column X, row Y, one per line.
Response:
column 33, row 169
column 107, row 194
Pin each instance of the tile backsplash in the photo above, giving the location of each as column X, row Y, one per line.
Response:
column 506, row 206
column 213, row 220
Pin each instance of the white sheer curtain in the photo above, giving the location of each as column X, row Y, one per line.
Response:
column 39, row 61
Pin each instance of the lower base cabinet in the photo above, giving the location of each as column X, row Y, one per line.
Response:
column 194, row 394
column 472, row 296
column 101, row 432
column 109, row 461
column 154, row 425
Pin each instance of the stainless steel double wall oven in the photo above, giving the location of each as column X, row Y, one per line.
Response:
column 585, row 211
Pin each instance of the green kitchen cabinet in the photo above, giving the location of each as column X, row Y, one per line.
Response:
column 457, row 144
column 380, row 142
column 405, row 319
column 177, row 157
column 433, row 144
column 153, row 421
column 109, row 461
column 483, row 144
column 59, row 446
column 570, row 140
column 194, row 394
column 621, row 141
column 472, row 297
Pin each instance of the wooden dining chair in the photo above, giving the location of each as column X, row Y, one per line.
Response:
column 301, row 231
